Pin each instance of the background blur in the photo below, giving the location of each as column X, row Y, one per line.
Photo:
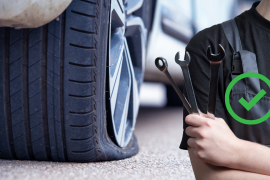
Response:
column 175, row 22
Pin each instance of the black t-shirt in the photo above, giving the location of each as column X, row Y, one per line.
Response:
column 254, row 33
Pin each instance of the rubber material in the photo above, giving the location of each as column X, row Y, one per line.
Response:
column 52, row 89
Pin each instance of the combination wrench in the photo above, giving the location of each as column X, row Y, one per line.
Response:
column 191, row 104
column 188, row 84
column 162, row 65
column 215, row 61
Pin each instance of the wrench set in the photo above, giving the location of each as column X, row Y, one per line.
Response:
column 190, row 102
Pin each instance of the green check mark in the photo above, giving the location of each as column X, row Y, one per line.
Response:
column 243, row 102
column 250, row 104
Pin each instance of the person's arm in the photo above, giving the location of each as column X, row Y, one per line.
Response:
column 205, row 171
column 213, row 142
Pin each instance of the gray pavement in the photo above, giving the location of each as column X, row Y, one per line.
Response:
column 159, row 133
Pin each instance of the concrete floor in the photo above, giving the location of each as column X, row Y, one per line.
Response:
column 159, row 133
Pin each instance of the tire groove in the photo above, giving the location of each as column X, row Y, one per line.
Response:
column 71, row 95
column 15, row 77
column 30, row 97
column 43, row 79
column 16, row 93
column 52, row 54
column 7, row 93
column 81, row 81
column 82, row 65
column 81, row 125
column 35, row 112
column 17, row 123
column 79, row 46
column 18, row 138
column 34, row 44
column 35, row 127
column 25, row 94
column 36, row 141
column 16, row 109
column 53, row 36
column 52, row 87
column 52, row 72
column 83, row 14
column 61, row 91
column 15, row 61
column 82, row 31
column 34, row 80
column 35, row 63
column 51, row 114
column 71, row 112
column 15, row 42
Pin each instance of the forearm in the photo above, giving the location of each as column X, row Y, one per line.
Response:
column 213, row 142
column 205, row 171
column 252, row 157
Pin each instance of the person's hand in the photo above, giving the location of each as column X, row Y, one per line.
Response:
column 212, row 140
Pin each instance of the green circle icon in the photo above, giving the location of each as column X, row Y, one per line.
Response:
column 227, row 98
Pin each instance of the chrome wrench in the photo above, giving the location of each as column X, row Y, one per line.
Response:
column 162, row 65
column 189, row 88
column 215, row 61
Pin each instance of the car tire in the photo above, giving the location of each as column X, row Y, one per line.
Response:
column 53, row 89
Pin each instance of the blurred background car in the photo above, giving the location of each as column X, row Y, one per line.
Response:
column 175, row 22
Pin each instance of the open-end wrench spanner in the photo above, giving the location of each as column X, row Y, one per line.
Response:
column 215, row 61
column 189, row 88
column 162, row 65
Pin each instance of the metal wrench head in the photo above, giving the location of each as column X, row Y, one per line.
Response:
column 216, row 57
column 161, row 64
column 182, row 63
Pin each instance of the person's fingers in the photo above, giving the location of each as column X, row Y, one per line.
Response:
column 202, row 114
column 194, row 120
column 192, row 131
column 221, row 120
column 191, row 142
column 210, row 116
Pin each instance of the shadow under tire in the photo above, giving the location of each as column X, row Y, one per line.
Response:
column 52, row 89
